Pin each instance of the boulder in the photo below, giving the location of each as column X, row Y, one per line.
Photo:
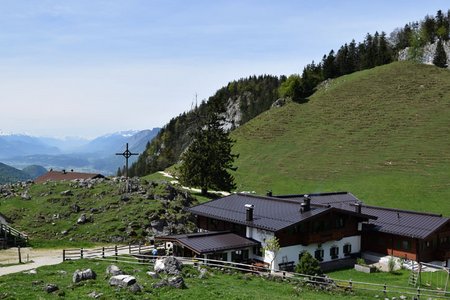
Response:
column 83, row 275
column 82, row 219
column 113, row 270
column 50, row 288
column 122, row 280
column 169, row 265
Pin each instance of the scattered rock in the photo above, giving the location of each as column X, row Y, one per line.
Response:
column 75, row 208
column 50, row 288
column 95, row 295
column 33, row 271
column 122, row 280
column 125, row 198
column 83, row 275
column 203, row 273
column 36, row 282
column 67, row 193
column 25, row 195
column 114, row 270
column 153, row 275
column 177, row 282
column 82, row 219
column 135, row 288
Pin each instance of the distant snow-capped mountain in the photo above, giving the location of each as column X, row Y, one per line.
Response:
column 96, row 155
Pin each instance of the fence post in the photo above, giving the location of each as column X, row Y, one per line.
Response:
column 418, row 292
column 81, row 253
column 103, row 252
column 115, row 251
column 64, row 255
column 384, row 289
column 350, row 284
column 129, row 248
column 139, row 247
column 20, row 256
column 284, row 275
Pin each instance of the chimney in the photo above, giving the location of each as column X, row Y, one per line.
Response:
column 306, row 204
column 358, row 207
column 249, row 212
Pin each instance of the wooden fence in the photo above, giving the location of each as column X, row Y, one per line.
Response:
column 115, row 251
column 135, row 254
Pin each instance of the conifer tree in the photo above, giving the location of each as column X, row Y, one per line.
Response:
column 440, row 57
column 207, row 161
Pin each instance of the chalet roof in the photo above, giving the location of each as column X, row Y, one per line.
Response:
column 389, row 220
column 63, row 175
column 405, row 223
column 270, row 213
column 203, row 243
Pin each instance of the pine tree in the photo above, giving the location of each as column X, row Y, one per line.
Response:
column 440, row 57
column 207, row 161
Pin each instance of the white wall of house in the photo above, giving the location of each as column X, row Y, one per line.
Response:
column 291, row 253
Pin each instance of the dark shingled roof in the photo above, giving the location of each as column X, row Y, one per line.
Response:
column 270, row 213
column 202, row 243
column 404, row 223
column 59, row 176
column 393, row 221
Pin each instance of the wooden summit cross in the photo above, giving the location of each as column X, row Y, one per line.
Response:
column 127, row 154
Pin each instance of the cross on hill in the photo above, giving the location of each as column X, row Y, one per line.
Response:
column 127, row 154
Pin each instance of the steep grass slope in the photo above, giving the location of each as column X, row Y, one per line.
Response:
column 382, row 134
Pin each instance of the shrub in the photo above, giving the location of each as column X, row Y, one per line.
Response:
column 308, row 265
column 361, row 262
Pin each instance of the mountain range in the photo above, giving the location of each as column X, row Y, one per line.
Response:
column 96, row 155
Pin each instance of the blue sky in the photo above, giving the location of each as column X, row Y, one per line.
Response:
column 90, row 67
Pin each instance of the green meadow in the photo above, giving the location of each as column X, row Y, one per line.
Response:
column 382, row 134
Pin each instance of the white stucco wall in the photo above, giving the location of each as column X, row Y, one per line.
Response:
column 291, row 253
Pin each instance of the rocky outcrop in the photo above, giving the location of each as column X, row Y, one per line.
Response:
column 429, row 51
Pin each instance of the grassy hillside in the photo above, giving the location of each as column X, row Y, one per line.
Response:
column 382, row 134
column 49, row 212
column 9, row 174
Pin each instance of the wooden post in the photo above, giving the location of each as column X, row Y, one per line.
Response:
column 81, row 253
column 103, row 252
column 139, row 247
column 115, row 250
column 20, row 256
column 129, row 248
column 64, row 255
column 384, row 289
column 350, row 284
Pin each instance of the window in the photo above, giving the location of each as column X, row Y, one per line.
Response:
column 340, row 222
column 334, row 252
column 347, row 249
column 318, row 254
column 258, row 250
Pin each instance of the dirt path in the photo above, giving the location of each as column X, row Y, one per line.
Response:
column 39, row 257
